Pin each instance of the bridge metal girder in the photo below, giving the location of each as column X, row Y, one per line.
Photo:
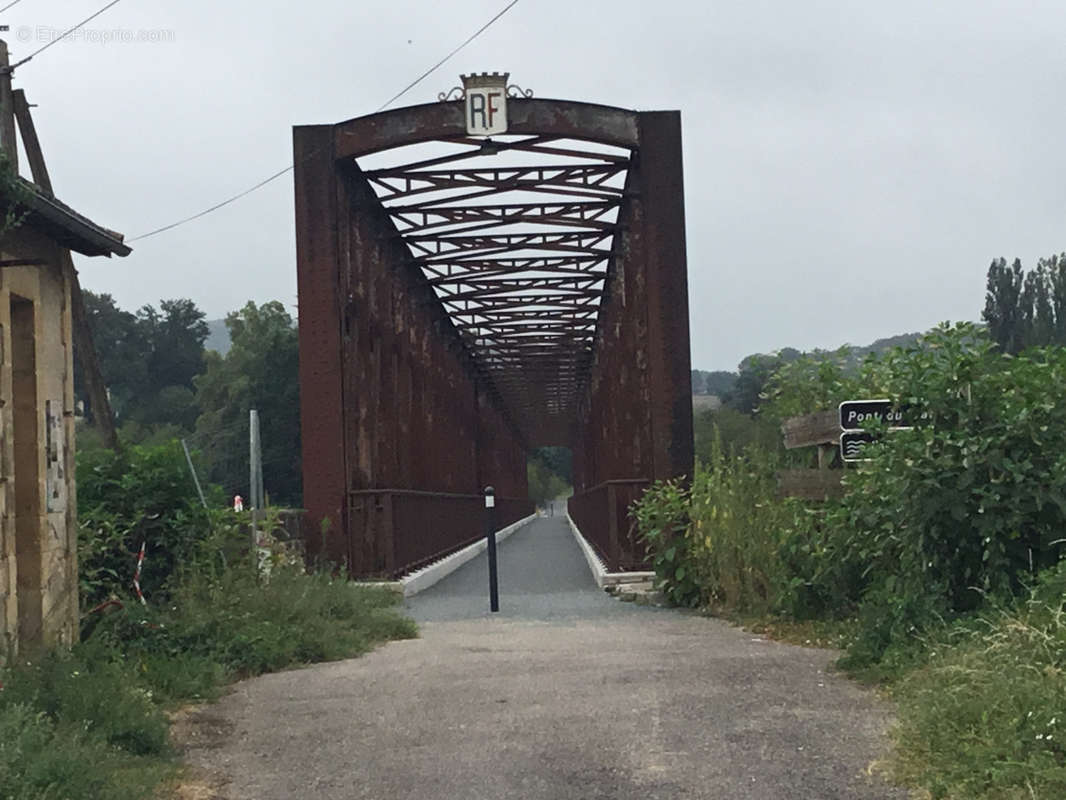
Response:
column 544, row 119
column 454, row 314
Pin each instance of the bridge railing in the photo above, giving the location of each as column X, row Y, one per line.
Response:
column 602, row 515
column 394, row 531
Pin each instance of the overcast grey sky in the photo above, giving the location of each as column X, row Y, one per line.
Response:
column 851, row 167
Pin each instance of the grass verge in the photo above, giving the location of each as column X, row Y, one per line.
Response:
column 984, row 718
column 981, row 702
column 90, row 723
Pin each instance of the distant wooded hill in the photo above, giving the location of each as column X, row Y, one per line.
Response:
column 217, row 337
column 720, row 382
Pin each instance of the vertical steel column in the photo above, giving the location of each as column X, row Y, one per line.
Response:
column 321, row 365
column 662, row 195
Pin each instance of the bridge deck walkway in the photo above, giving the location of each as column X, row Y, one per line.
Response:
column 567, row 694
column 543, row 575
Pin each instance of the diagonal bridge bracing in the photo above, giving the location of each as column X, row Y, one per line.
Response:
column 465, row 299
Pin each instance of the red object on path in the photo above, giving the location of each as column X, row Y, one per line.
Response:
column 238, row 503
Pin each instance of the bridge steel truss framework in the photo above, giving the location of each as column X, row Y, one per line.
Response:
column 459, row 309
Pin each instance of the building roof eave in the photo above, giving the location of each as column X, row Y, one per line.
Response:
column 67, row 226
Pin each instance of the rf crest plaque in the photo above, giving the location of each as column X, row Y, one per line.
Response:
column 486, row 103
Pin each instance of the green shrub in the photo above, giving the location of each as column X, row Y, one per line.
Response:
column 736, row 525
column 721, row 542
column 662, row 517
column 139, row 494
column 969, row 506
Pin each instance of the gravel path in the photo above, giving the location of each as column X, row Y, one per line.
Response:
column 567, row 693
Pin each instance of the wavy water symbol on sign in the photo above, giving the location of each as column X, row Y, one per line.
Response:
column 852, row 449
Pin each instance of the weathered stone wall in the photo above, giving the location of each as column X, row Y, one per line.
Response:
column 38, row 520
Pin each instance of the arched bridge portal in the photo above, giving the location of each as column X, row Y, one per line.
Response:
column 463, row 300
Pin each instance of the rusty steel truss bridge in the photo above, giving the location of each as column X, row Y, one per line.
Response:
column 464, row 299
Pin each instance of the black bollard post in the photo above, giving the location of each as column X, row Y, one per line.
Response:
column 490, row 532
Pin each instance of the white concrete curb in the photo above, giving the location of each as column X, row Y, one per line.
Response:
column 600, row 574
column 422, row 579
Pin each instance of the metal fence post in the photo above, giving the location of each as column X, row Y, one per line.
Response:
column 255, row 461
column 490, row 532
column 255, row 480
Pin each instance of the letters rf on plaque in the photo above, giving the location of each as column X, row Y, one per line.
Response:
column 486, row 103
column 484, row 97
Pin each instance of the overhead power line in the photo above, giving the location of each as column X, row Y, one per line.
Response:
column 9, row 5
column 291, row 167
column 58, row 39
column 215, row 207
column 447, row 58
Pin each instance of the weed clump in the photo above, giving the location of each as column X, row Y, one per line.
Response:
column 43, row 758
column 985, row 716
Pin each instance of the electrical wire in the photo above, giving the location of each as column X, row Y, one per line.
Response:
column 447, row 58
column 58, row 39
column 215, row 207
column 9, row 5
column 291, row 167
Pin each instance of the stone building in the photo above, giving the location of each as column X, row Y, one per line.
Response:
column 38, row 514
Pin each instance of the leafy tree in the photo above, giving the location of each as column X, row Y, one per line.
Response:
column 557, row 460
column 1003, row 304
column 544, row 485
column 1026, row 309
column 148, row 361
column 812, row 383
column 550, row 473
column 736, row 432
column 1056, row 270
column 718, row 382
column 120, row 348
column 260, row 371
column 755, row 371
column 1036, row 311
column 177, row 335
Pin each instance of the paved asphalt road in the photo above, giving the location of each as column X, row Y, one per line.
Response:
column 567, row 693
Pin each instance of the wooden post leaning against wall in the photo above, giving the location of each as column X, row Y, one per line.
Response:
column 38, row 169
column 7, row 111
column 103, row 416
